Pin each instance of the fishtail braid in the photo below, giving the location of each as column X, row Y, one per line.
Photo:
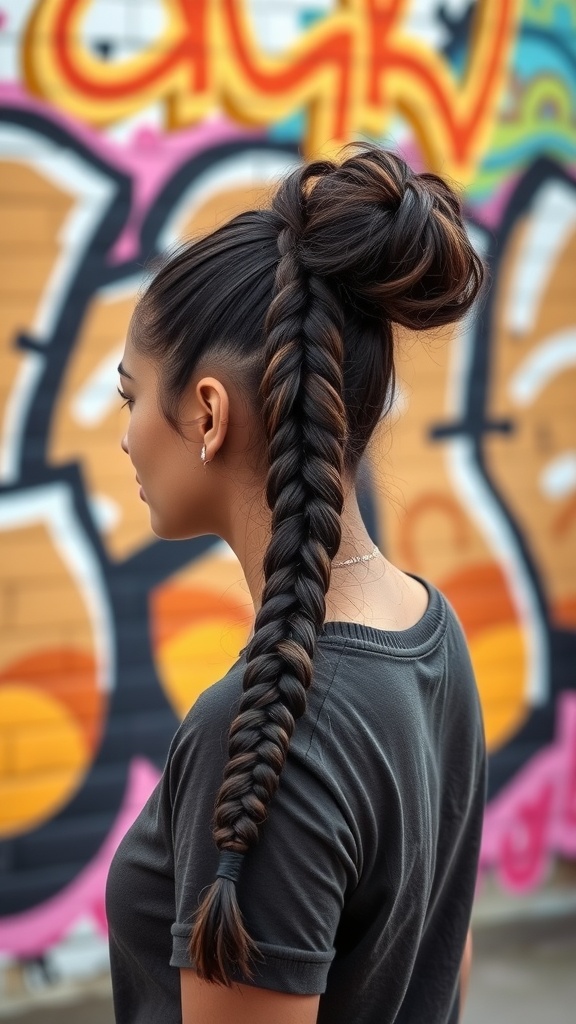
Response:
column 300, row 300
column 304, row 419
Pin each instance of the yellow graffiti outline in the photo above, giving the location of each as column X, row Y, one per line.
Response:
column 255, row 108
column 408, row 95
column 44, row 78
column 228, row 87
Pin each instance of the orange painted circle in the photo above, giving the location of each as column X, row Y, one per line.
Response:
column 43, row 754
column 499, row 658
column 195, row 658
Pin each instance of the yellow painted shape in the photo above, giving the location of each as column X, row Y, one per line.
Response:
column 326, row 71
column 499, row 659
column 33, row 212
column 197, row 657
column 45, row 77
column 45, row 609
column 42, row 754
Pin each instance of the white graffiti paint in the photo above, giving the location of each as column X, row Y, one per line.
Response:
column 106, row 512
column 52, row 506
column 551, row 357
column 484, row 510
column 15, row 413
column 552, row 220
column 251, row 167
column 558, row 478
column 462, row 346
column 481, row 505
column 98, row 395
column 92, row 192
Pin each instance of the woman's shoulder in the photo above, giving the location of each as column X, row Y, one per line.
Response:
column 351, row 661
column 209, row 717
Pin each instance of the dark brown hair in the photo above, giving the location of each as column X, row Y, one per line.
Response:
column 301, row 298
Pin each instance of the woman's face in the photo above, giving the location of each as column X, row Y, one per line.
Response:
column 168, row 465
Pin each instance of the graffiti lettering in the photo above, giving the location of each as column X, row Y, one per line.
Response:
column 350, row 72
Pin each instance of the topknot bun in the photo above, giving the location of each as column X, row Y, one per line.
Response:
column 392, row 240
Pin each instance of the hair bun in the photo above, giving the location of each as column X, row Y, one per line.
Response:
column 392, row 240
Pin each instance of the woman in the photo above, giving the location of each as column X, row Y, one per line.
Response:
column 311, row 849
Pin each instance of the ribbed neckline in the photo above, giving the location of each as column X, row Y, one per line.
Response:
column 423, row 635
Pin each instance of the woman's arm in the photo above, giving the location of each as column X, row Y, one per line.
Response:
column 204, row 1003
column 465, row 970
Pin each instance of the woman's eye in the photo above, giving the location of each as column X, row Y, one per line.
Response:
column 127, row 401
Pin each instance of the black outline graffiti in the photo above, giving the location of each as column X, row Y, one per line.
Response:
column 100, row 794
column 539, row 729
column 153, row 724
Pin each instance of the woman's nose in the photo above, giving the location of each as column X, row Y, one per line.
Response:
column 124, row 444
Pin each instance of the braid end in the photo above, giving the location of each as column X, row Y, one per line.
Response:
column 220, row 942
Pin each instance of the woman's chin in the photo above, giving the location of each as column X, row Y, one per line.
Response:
column 169, row 531
column 162, row 531
column 159, row 527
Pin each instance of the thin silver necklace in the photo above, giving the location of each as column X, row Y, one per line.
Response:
column 348, row 561
column 358, row 558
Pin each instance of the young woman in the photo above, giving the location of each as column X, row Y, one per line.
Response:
column 310, row 851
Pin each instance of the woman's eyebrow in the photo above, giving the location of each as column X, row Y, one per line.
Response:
column 123, row 373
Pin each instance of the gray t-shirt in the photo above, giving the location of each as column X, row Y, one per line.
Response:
column 362, row 883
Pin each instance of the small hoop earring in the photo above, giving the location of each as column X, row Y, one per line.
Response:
column 203, row 456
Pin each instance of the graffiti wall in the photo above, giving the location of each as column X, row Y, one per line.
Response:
column 128, row 124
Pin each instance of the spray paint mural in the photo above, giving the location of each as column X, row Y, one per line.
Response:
column 126, row 126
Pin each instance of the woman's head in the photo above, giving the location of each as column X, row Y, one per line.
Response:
column 287, row 312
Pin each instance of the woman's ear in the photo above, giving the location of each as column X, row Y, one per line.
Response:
column 213, row 400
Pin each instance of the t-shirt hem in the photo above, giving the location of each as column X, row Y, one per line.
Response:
column 281, row 968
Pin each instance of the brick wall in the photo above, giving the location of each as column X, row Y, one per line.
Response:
column 108, row 634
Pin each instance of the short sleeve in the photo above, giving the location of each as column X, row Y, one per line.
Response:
column 294, row 882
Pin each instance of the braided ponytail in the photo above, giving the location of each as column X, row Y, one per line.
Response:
column 305, row 426
column 302, row 298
